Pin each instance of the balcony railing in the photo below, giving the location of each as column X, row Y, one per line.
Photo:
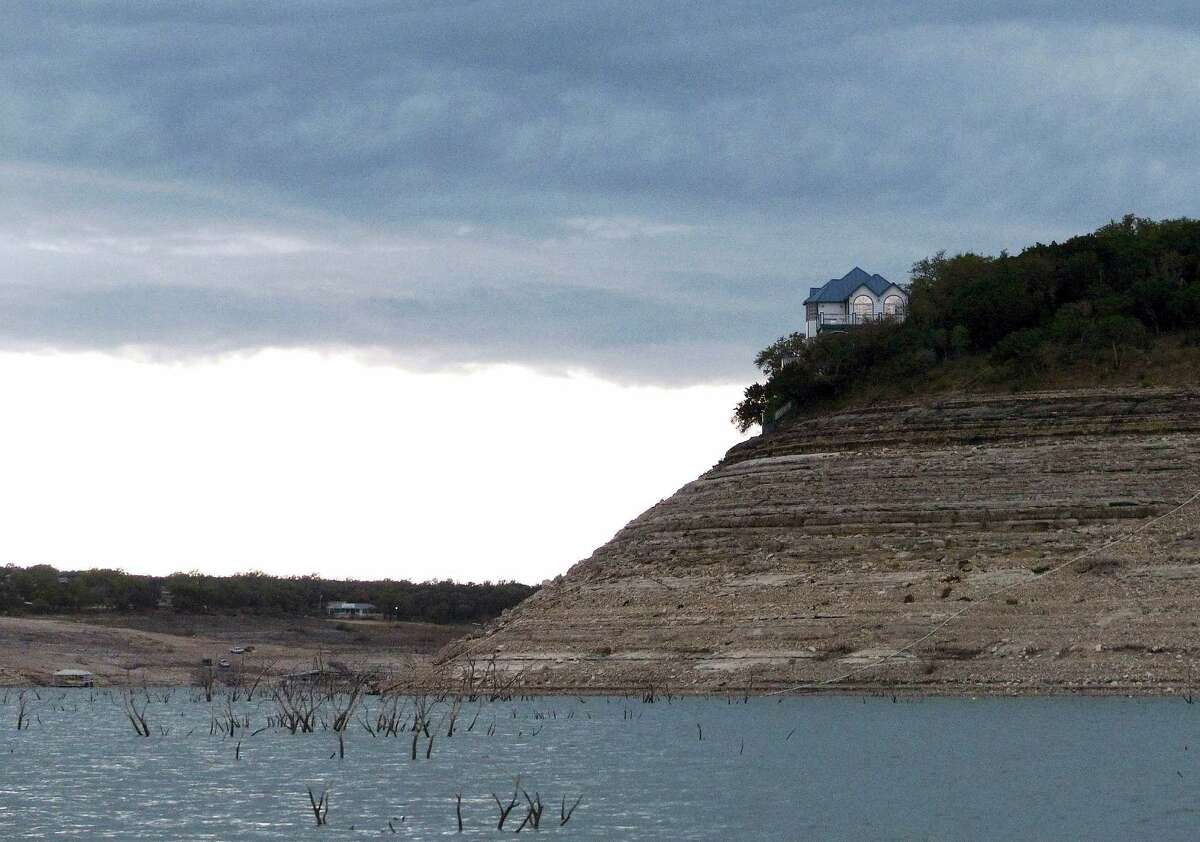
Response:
column 841, row 321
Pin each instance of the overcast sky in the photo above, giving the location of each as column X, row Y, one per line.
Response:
column 604, row 207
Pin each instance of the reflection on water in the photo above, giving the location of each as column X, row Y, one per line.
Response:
column 812, row 768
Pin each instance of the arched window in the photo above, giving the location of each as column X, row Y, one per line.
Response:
column 862, row 306
column 893, row 305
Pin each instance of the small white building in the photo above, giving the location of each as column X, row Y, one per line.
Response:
column 73, row 678
column 351, row 609
column 855, row 298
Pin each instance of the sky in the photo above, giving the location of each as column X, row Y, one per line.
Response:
column 456, row 289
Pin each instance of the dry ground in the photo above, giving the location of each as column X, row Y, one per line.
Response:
column 165, row 648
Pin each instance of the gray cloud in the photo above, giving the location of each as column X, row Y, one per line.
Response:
column 554, row 182
column 635, row 336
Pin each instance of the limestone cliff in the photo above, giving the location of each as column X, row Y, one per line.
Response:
column 820, row 546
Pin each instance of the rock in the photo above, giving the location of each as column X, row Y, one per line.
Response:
column 789, row 552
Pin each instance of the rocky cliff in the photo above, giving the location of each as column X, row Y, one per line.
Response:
column 829, row 543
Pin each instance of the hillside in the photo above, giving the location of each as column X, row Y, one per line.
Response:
column 815, row 549
column 1118, row 305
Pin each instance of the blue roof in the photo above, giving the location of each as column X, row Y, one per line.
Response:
column 839, row 289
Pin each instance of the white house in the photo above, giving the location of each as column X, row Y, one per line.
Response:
column 853, row 299
column 351, row 609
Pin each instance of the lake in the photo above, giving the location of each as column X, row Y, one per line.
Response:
column 829, row 767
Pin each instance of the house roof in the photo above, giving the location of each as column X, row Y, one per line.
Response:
column 839, row 289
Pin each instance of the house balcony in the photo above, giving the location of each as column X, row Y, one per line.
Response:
column 845, row 321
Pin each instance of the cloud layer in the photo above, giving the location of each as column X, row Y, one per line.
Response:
column 646, row 190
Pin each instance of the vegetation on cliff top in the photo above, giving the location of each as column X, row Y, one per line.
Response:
column 44, row 589
column 1123, row 301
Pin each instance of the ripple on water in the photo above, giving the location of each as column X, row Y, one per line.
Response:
column 829, row 767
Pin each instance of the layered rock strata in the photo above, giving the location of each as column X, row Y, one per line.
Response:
column 817, row 550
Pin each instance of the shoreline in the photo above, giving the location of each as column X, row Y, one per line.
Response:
column 907, row 692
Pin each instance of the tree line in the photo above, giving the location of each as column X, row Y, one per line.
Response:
column 1098, row 298
column 43, row 589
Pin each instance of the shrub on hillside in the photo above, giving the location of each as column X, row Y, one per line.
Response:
column 1095, row 298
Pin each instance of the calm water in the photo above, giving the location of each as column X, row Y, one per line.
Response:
column 814, row 768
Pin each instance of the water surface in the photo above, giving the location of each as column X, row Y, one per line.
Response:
column 808, row 768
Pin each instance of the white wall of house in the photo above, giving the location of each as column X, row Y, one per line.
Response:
column 827, row 310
